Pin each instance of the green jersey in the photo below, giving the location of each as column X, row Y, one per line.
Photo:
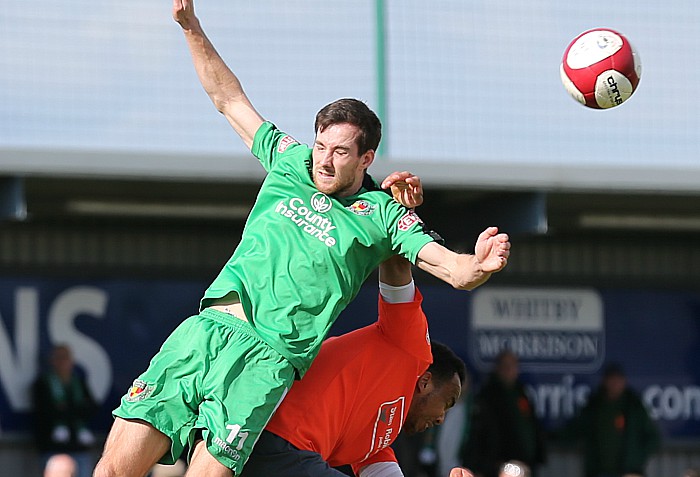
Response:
column 304, row 255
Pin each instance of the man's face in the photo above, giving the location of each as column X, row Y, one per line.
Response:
column 337, row 167
column 508, row 369
column 614, row 386
column 62, row 361
column 430, row 403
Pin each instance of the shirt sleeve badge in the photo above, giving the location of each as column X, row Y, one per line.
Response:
column 285, row 142
column 408, row 220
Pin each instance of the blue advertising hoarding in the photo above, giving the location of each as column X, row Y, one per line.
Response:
column 563, row 336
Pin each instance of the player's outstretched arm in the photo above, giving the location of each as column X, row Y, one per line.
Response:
column 465, row 271
column 220, row 83
column 462, row 271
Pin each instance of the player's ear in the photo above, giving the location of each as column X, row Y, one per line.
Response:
column 367, row 158
column 425, row 382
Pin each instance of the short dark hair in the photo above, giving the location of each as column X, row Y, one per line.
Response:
column 613, row 369
column 357, row 113
column 503, row 354
column 446, row 364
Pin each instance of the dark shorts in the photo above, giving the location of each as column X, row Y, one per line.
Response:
column 273, row 455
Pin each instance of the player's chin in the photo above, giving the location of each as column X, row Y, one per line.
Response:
column 328, row 187
column 410, row 430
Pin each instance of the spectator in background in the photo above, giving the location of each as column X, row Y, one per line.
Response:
column 617, row 433
column 63, row 407
column 504, row 425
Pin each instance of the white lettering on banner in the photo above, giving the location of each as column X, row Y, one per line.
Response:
column 87, row 352
column 538, row 309
column 551, row 330
column 540, row 345
column 17, row 373
column 306, row 219
column 673, row 403
column 558, row 400
column 665, row 403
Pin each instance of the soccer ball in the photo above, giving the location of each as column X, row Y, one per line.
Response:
column 600, row 68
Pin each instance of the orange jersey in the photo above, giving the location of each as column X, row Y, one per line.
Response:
column 351, row 404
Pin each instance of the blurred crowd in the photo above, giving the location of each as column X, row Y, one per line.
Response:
column 495, row 432
column 63, row 410
column 493, row 429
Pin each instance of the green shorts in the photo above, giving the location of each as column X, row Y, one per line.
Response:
column 214, row 374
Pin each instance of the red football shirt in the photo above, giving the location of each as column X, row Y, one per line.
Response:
column 351, row 404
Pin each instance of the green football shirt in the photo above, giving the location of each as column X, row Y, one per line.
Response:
column 304, row 255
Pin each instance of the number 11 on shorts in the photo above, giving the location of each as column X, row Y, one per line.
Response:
column 235, row 430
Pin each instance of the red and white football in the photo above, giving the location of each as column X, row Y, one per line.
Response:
column 600, row 68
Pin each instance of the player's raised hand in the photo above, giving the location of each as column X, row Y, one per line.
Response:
column 492, row 250
column 460, row 472
column 183, row 13
column 405, row 187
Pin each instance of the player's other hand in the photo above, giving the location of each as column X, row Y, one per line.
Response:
column 460, row 472
column 405, row 187
column 492, row 250
column 183, row 13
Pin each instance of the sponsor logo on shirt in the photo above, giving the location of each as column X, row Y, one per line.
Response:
column 321, row 203
column 308, row 217
column 408, row 220
column 285, row 142
column 361, row 207
column 139, row 391
column 388, row 425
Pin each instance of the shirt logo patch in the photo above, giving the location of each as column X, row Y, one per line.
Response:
column 321, row 203
column 408, row 220
column 361, row 207
column 139, row 391
column 387, row 425
column 285, row 142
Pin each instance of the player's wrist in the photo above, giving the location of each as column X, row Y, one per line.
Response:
column 381, row 469
column 398, row 294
